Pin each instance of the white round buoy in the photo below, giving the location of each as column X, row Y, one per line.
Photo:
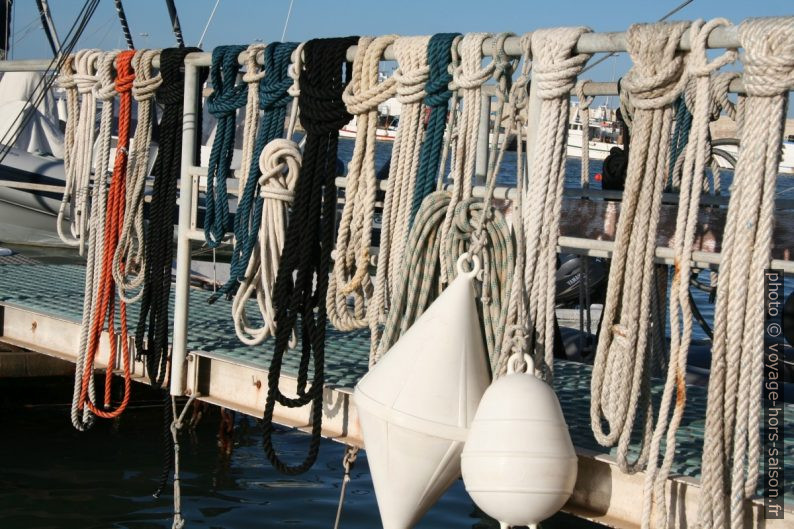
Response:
column 519, row 465
column 415, row 405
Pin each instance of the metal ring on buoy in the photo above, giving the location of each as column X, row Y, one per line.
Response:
column 475, row 265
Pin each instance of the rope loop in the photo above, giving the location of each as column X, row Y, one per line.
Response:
column 437, row 92
column 227, row 96
column 280, row 165
column 86, row 64
column 274, row 88
column 144, row 87
column 555, row 68
column 253, row 73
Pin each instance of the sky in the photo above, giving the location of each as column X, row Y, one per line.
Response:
column 246, row 21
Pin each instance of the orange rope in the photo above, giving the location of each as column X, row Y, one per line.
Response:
column 106, row 294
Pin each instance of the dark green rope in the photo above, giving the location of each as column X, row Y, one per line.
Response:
column 439, row 57
column 226, row 98
column 680, row 137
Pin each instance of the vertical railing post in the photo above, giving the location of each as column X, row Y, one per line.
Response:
column 182, row 287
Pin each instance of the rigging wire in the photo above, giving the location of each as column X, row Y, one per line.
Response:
column 125, row 28
column 207, row 26
column 48, row 26
column 175, row 26
column 46, row 82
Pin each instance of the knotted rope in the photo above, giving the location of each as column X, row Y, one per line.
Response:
column 350, row 276
column 555, row 67
column 131, row 248
column 104, row 91
column 620, row 375
column 474, row 228
column 226, row 98
column 732, row 438
column 302, row 279
column 279, row 164
column 105, row 301
column 437, row 95
column 78, row 145
column 691, row 186
column 267, row 91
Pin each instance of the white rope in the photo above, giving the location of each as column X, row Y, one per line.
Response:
column 692, row 177
column 350, row 276
column 279, row 164
column 555, row 67
column 620, row 378
column 78, row 146
column 131, row 250
column 253, row 74
column 584, row 118
column 105, row 91
column 410, row 76
column 732, row 444
column 468, row 77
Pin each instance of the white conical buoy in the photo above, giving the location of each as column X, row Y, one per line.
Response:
column 519, row 465
column 416, row 404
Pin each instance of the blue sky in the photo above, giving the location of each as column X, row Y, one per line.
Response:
column 244, row 21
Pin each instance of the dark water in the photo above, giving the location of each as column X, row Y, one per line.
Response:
column 52, row 476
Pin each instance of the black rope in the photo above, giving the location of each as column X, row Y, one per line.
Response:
column 45, row 24
column 153, row 321
column 302, row 279
column 175, row 26
column 125, row 28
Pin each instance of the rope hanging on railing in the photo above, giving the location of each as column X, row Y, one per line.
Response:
column 732, row 445
column 584, row 119
column 78, row 79
column 620, row 382
column 437, row 95
column 153, row 321
column 104, row 307
column 350, row 277
column 131, row 248
column 223, row 102
column 302, row 280
column 267, row 91
column 554, row 71
column 279, row 165
column 487, row 238
column 106, row 93
column 691, row 185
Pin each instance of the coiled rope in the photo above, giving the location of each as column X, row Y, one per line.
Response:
column 691, row 185
column 78, row 80
column 267, row 90
column 131, row 248
column 362, row 97
column 279, row 166
column 153, row 321
column 105, row 91
column 226, row 98
column 620, row 379
column 302, row 279
column 105, row 301
column 437, row 96
column 555, row 67
column 732, row 447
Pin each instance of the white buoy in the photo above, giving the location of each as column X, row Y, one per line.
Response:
column 416, row 404
column 519, row 465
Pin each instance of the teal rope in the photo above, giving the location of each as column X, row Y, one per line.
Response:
column 223, row 103
column 680, row 137
column 273, row 100
column 439, row 57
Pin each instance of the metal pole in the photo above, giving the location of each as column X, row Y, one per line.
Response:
column 182, row 286
column 481, row 156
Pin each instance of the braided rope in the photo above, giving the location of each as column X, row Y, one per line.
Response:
column 734, row 398
column 695, row 157
column 555, row 68
column 131, row 249
column 584, row 118
column 226, row 98
column 105, row 92
column 350, row 276
column 620, row 379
